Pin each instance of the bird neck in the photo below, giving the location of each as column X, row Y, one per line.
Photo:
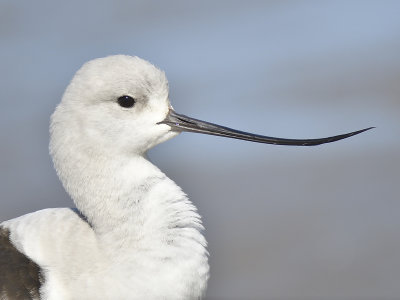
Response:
column 127, row 200
column 141, row 220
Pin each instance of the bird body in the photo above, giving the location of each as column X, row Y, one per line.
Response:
column 158, row 258
column 134, row 233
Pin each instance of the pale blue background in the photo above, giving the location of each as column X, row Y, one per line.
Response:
column 281, row 222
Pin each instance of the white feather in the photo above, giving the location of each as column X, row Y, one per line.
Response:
column 142, row 238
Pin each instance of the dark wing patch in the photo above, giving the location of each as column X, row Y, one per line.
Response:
column 20, row 277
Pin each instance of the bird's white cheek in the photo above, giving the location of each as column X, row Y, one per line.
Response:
column 158, row 109
column 139, row 141
column 161, row 133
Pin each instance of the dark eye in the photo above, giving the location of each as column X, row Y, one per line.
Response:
column 126, row 101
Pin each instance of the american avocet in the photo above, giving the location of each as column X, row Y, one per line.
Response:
column 134, row 234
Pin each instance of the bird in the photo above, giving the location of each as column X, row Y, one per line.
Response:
column 133, row 233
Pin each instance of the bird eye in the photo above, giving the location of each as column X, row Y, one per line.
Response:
column 126, row 101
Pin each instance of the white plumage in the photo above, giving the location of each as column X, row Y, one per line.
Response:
column 135, row 234
column 142, row 236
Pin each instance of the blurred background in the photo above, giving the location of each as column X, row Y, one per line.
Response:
column 281, row 222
